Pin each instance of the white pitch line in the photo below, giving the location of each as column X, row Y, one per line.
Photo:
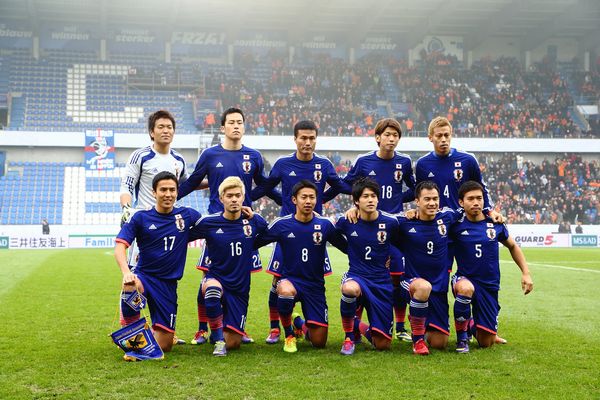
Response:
column 557, row 267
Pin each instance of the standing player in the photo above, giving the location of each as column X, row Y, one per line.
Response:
column 289, row 170
column 302, row 239
column 231, row 158
column 424, row 242
column 393, row 171
column 162, row 233
column 368, row 279
column 449, row 168
column 143, row 164
column 477, row 279
column 226, row 286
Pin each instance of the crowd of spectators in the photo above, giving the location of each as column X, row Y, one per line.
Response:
column 564, row 191
column 493, row 98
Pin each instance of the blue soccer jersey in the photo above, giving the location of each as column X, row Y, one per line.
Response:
column 289, row 170
column 477, row 252
column 217, row 163
column 231, row 247
column 425, row 246
column 369, row 245
column 303, row 246
column 449, row 172
column 394, row 176
column 162, row 240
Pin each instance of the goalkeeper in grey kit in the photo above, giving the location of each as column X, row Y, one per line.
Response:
column 143, row 164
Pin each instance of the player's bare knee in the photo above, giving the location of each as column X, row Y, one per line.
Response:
column 209, row 283
column 351, row 288
column 420, row 289
column 286, row 288
column 318, row 336
column 437, row 340
column 464, row 287
column 381, row 343
column 485, row 339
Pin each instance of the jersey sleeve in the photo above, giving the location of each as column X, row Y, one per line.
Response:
column 196, row 177
column 420, row 175
column 503, row 233
column 336, row 238
column 476, row 176
column 409, row 180
column 265, row 186
column 198, row 230
column 132, row 174
column 268, row 235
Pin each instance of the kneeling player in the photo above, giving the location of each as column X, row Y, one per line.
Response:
column 162, row 234
column 477, row 278
column 424, row 242
column 226, row 286
column 368, row 279
column 302, row 238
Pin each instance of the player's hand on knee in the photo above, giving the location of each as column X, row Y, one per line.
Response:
column 126, row 213
column 526, row 283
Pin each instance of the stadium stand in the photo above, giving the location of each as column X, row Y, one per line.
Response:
column 65, row 193
column 73, row 90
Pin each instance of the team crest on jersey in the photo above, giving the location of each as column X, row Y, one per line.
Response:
column 248, row 230
column 317, row 237
column 317, row 175
column 275, row 265
column 397, row 176
column 491, row 233
column 381, row 236
column 458, row 174
column 246, row 166
column 442, row 230
column 207, row 261
column 179, row 222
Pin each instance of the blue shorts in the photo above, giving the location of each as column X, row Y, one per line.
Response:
column 397, row 261
column 203, row 263
column 313, row 302
column 484, row 304
column 235, row 307
column 377, row 299
column 162, row 301
column 276, row 262
column 437, row 316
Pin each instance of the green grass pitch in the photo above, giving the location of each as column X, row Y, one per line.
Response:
column 57, row 308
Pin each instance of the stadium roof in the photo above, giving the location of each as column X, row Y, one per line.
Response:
column 532, row 21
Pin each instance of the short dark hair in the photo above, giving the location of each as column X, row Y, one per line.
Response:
column 231, row 110
column 361, row 184
column 163, row 176
column 429, row 185
column 385, row 123
column 302, row 184
column 155, row 116
column 467, row 187
column 305, row 125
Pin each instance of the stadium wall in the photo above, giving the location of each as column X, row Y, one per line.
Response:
column 102, row 236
